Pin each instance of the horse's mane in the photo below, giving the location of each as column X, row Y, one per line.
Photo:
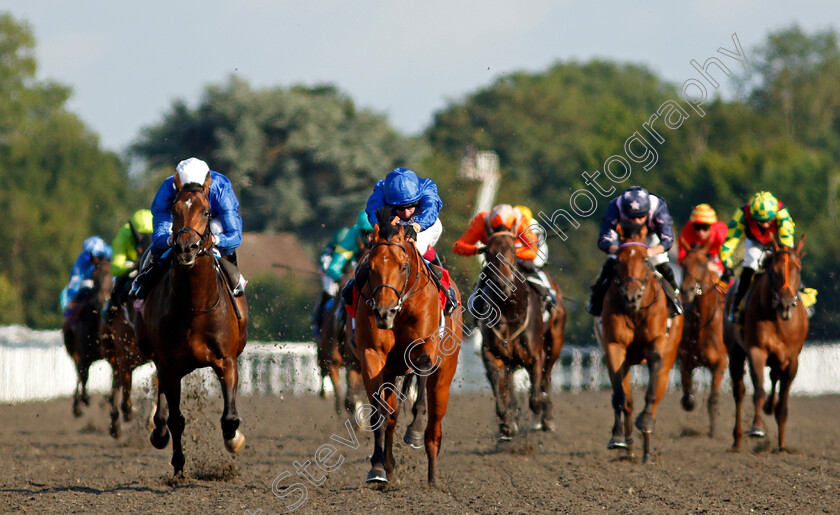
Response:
column 386, row 229
column 630, row 229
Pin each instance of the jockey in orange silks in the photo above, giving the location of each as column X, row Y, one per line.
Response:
column 531, row 248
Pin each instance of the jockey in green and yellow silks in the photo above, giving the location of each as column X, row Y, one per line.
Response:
column 761, row 220
column 129, row 244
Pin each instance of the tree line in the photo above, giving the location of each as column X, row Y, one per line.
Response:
column 304, row 159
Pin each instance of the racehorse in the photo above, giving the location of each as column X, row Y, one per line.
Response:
column 335, row 353
column 120, row 349
column 775, row 327
column 515, row 336
column 400, row 329
column 634, row 330
column 81, row 330
column 191, row 320
column 702, row 339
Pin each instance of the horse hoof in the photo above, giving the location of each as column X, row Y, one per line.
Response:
column 413, row 439
column 647, row 459
column 537, row 426
column 504, row 438
column 236, row 443
column 377, row 476
column 114, row 432
column 688, row 402
column 159, row 442
column 756, row 432
column 77, row 410
column 617, row 443
column 548, row 426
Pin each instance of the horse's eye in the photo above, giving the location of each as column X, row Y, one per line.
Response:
column 207, row 213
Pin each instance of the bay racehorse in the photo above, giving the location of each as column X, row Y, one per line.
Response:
column 702, row 339
column 81, row 329
column 400, row 329
column 191, row 320
column 120, row 349
column 774, row 331
column 633, row 329
column 514, row 335
column 335, row 353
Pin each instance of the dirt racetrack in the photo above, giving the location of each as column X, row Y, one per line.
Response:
column 52, row 462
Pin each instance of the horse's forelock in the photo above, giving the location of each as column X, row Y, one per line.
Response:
column 386, row 229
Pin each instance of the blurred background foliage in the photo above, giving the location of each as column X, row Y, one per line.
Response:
column 303, row 159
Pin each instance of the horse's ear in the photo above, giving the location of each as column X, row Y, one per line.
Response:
column 375, row 233
column 619, row 230
column 395, row 221
column 800, row 246
column 775, row 242
column 706, row 245
column 207, row 182
column 178, row 183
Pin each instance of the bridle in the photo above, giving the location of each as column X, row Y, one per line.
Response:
column 701, row 287
column 776, row 299
column 402, row 294
column 527, row 313
column 623, row 282
column 202, row 237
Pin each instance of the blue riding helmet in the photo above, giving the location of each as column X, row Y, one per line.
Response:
column 363, row 222
column 96, row 247
column 635, row 202
column 402, row 187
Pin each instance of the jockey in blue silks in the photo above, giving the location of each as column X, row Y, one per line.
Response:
column 225, row 223
column 417, row 204
column 93, row 249
column 636, row 206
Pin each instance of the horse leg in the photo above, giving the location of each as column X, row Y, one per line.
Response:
column 352, row 402
column 383, row 420
column 537, row 399
column 714, row 394
column 335, row 379
column 160, row 434
column 228, row 374
column 175, row 421
column 617, row 368
column 770, row 403
column 125, row 383
column 413, row 435
column 660, row 362
column 758, row 358
column 114, row 400
column 786, row 379
column 737, row 357
column 545, row 390
column 438, row 389
column 499, row 376
column 688, row 400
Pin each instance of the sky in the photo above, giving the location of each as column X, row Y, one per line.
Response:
column 127, row 62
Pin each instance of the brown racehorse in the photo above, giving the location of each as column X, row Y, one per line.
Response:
column 192, row 321
column 633, row 330
column 702, row 339
column 120, row 349
column 775, row 327
column 398, row 331
column 514, row 335
column 81, row 331
column 335, row 353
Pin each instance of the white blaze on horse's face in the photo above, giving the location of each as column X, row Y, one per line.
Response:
column 188, row 202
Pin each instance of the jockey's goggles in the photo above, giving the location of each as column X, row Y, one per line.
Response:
column 403, row 207
column 702, row 227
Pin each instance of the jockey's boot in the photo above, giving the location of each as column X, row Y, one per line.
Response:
column 599, row 289
column 317, row 317
column 736, row 313
column 145, row 280
column 674, row 306
column 235, row 278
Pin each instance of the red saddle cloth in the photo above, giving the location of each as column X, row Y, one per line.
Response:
column 444, row 281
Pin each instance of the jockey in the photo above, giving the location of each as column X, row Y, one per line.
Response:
column 531, row 248
column 761, row 219
column 94, row 249
column 131, row 241
column 347, row 247
column 703, row 226
column 225, row 224
column 417, row 204
column 637, row 206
